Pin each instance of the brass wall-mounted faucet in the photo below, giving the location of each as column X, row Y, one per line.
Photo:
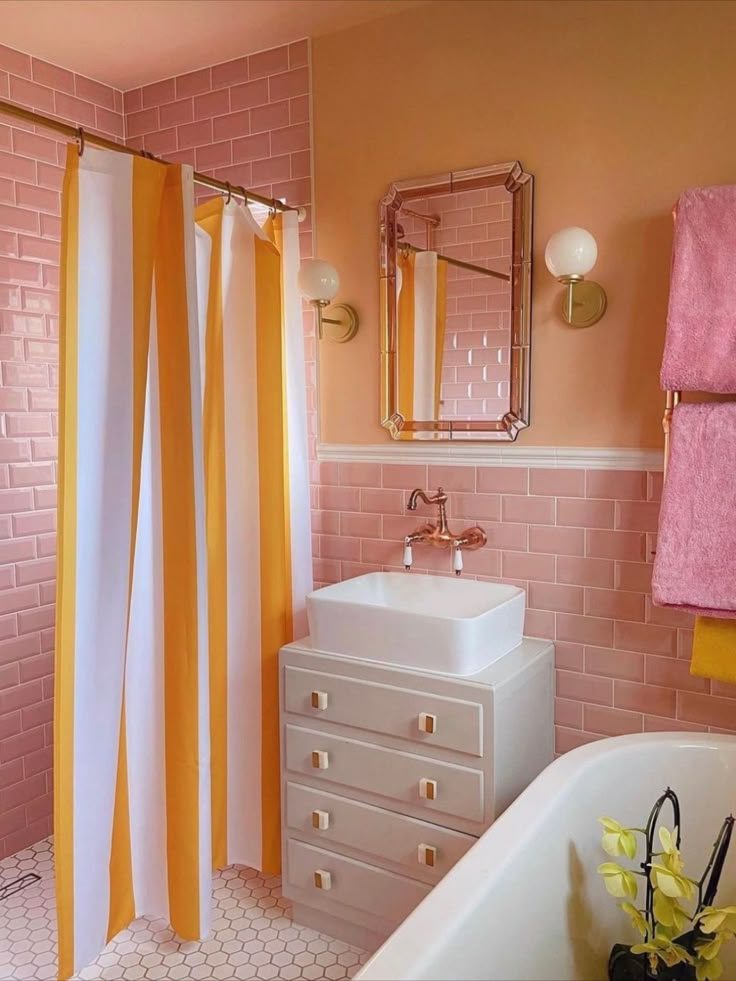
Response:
column 439, row 535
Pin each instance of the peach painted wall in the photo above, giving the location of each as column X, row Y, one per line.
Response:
column 614, row 107
column 31, row 169
column 246, row 121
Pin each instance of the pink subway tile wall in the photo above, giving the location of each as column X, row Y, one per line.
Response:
column 246, row 121
column 475, row 226
column 580, row 543
column 31, row 169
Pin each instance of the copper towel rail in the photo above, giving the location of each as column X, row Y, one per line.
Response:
column 672, row 399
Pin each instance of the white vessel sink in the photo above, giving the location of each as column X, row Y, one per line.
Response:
column 452, row 626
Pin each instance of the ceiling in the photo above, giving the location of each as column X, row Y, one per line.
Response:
column 127, row 43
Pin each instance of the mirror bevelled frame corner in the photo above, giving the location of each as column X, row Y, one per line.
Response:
column 397, row 204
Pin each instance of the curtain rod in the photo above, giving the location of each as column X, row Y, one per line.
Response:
column 433, row 220
column 82, row 136
column 406, row 246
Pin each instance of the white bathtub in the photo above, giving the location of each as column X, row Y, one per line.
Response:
column 526, row 902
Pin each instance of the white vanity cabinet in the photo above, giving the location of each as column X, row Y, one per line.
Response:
column 389, row 775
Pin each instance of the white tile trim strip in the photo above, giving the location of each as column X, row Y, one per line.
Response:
column 494, row 455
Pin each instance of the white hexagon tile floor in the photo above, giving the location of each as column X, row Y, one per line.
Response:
column 253, row 936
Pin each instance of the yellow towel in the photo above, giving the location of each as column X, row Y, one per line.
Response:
column 714, row 649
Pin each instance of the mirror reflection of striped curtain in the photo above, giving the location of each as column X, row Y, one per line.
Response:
column 184, row 544
column 422, row 302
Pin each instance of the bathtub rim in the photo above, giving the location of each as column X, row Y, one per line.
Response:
column 411, row 947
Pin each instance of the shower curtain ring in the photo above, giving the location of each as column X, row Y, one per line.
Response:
column 229, row 192
column 243, row 193
column 80, row 140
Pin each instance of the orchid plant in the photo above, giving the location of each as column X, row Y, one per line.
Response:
column 672, row 934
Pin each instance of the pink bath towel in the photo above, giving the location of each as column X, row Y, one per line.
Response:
column 700, row 346
column 695, row 564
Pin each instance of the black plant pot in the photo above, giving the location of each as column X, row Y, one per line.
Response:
column 625, row 966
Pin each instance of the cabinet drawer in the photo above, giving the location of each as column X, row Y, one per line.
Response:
column 352, row 883
column 456, row 724
column 425, row 850
column 439, row 787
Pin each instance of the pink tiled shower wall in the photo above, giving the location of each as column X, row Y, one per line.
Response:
column 31, row 169
column 246, row 121
column 580, row 543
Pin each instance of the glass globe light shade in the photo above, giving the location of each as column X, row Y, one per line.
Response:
column 571, row 252
column 318, row 280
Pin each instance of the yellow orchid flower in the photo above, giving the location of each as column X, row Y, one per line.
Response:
column 651, row 949
column 618, row 881
column 671, row 883
column 669, row 913
column 708, row 970
column 653, row 962
column 671, row 857
column 674, row 953
column 709, row 949
column 664, row 949
column 713, row 919
column 637, row 917
column 706, row 932
column 617, row 840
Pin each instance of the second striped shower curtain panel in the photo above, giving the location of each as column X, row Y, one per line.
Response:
column 184, row 553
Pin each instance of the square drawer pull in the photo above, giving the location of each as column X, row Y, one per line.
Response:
column 427, row 855
column 427, row 722
column 320, row 760
column 321, row 820
column 322, row 879
column 319, row 700
column 428, row 789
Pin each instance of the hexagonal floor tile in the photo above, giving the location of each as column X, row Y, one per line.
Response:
column 253, row 938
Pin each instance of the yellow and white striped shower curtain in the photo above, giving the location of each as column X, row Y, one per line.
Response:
column 256, row 478
column 180, row 569
column 422, row 301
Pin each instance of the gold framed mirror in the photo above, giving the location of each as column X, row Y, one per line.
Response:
column 455, row 280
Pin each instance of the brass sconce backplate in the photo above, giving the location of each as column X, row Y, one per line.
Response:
column 584, row 302
column 343, row 323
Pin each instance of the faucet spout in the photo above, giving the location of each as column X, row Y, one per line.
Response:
column 415, row 495
column 439, row 498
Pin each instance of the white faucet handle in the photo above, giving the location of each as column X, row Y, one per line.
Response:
column 408, row 556
column 457, row 564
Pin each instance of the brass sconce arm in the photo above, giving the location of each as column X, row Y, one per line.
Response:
column 347, row 321
column 584, row 302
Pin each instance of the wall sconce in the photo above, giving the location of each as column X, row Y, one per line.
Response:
column 319, row 282
column 570, row 254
